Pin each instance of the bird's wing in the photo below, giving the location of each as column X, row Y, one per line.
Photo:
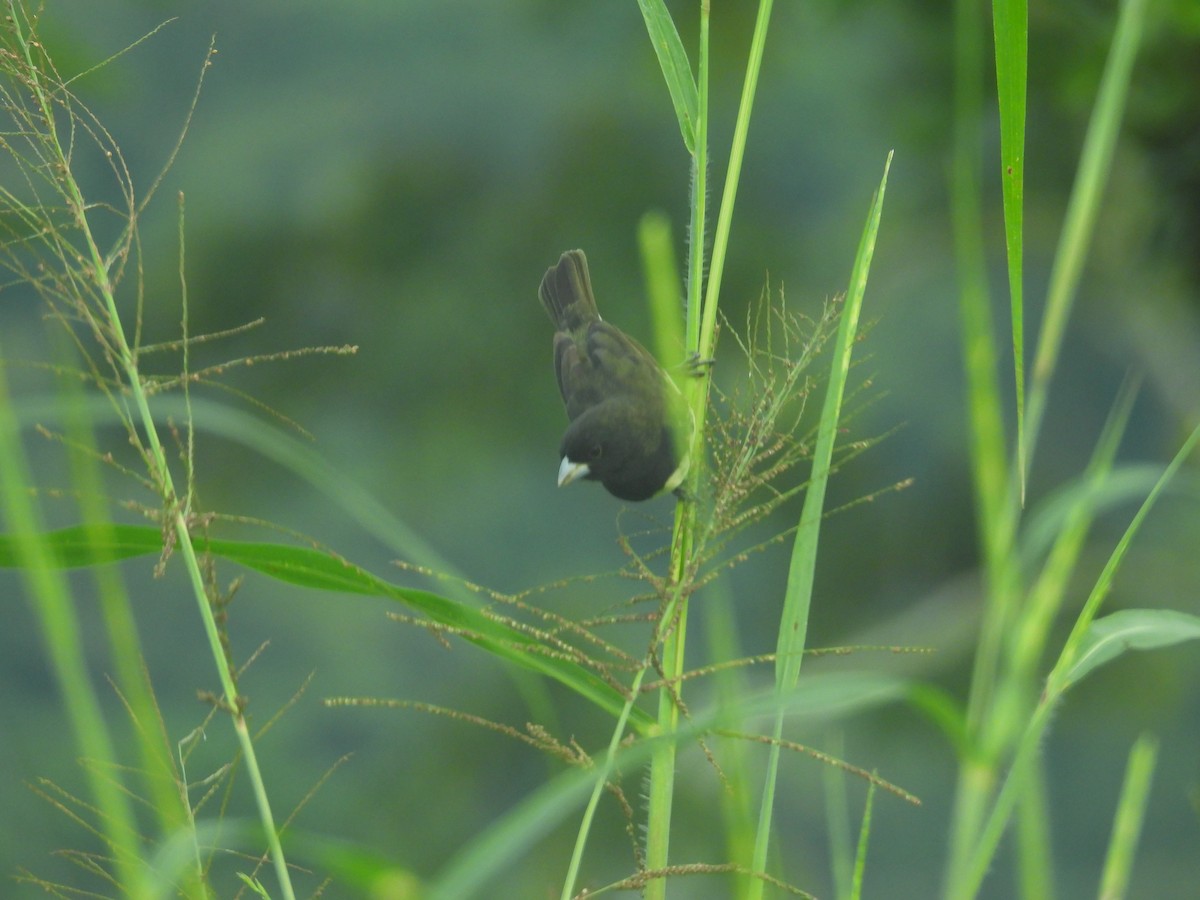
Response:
column 571, row 368
column 623, row 362
column 602, row 362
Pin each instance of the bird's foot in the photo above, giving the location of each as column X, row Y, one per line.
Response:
column 698, row 366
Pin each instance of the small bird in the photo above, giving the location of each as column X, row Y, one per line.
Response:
column 630, row 427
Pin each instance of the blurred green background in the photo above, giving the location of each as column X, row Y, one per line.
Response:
column 397, row 176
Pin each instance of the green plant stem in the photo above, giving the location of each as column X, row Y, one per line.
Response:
column 1095, row 163
column 995, row 704
column 178, row 519
column 722, row 633
column 1059, row 680
column 701, row 331
column 1035, row 865
column 793, row 625
column 696, row 228
column 662, row 760
column 157, row 769
column 864, row 834
column 176, row 509
column 1131, row 815
column 737, row 150
column 50, row 599
column 672, row 626
column 589, row 812
column 985, row 417
column 1010, row 26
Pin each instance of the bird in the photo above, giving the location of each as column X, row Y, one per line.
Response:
column 629, row 426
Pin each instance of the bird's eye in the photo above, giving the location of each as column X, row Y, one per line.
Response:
column 594, row 453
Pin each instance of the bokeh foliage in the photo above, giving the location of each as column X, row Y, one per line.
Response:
column 397, row 178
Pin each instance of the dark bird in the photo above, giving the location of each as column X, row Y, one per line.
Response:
column 630, row 427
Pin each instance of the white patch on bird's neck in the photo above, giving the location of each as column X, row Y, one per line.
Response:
column 678, row 475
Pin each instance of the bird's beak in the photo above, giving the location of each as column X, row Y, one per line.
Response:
column 570, row 471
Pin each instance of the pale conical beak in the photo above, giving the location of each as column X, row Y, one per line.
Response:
column 570, row 471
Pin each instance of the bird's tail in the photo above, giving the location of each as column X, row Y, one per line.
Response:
column 566, row 292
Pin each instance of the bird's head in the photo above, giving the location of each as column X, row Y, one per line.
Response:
column 631, row 463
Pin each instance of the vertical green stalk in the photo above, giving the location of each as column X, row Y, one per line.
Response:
column 699, row 221
column 176, row 508
column 50, row 599
column 1061, row 677
column 985, row 414
column 662, row 287
column 1131, row 815
column 837, row 820
column 701, row 330
column 1095, row 162
column 793, row 625
column 1035, row 863
column 985, row 419
column 672, row 626
column 1000, row 697
column 864, row 834
column 156, row 766
column 605, row 769
column 998, row 509
column 700, row 325
column 721, row 616
column 1010, row 24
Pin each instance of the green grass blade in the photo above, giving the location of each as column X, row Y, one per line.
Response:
column 156, row 768
column 1094, row 165
column 1034, row 846
column 1010, row 26
column 664, row 289
column 281, row 447
column 837, row 822
column 1027, row 638
column 722, row 633
column 1131, row 629
column 660, row 793
column 1124, row 484
column 76, row 547
column 1131, row 815
column 733, row 172
column 31, row 551
column 986, row 434
column 1060, row 678
column 985, row 413
column 860, row 856
column 943, row 711
column 793, row 625
column 477, row 867
column 802, row 571
column 677, row 71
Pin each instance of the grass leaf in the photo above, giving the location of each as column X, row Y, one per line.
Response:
column 74, row 548
column 802, row 572
column 677, row 71
column 1095, row 162
column 664, row 287
column 1131, row 629
column 793, row 625
column 1131, row 815
column 1010, row 23
column 864, row 834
